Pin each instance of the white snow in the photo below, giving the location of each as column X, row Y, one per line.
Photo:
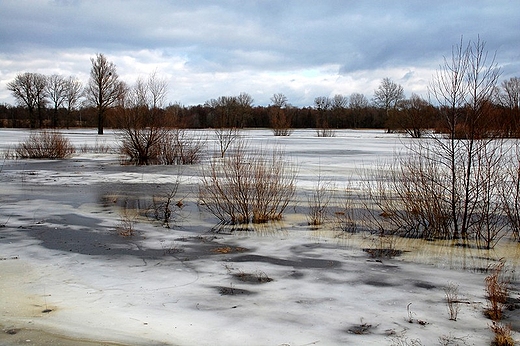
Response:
column 59, row 251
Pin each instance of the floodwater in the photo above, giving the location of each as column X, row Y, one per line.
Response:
column 72, row 200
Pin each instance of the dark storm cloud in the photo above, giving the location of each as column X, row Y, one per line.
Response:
column 281, row 44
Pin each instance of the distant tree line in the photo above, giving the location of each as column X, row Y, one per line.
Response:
column 57, row 101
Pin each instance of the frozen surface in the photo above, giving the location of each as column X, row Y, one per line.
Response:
column 68, row 278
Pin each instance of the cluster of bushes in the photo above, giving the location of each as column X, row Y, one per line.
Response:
column 160, row 146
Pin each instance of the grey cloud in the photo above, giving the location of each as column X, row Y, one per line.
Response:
column 270, row 36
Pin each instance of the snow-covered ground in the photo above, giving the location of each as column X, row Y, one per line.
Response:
column 68, row 278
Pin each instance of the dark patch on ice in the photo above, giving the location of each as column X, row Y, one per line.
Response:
column 383, row 253
column 305, row 248
column 296, row 275
column 12, row 331
column 361, row 329
column 427, row 285
column 94, row 239
column 253, row 278
column 379, row 283
column 233, row 291
column 302, row 262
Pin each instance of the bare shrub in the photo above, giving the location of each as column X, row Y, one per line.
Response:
column 248, row 185
column 45, row 145
column 497, row 291
column 511, row 193
column 127, row 221
column 165, row 204
column 319, row 200
column 430, row 193
column 226, row 137
column 140, row 141
column 402, row 340
column 346, row 219
column 452, row 299
column 159, row 145
column 451, row 340
column 325, row 132
column 380, row 207
column 280, row 115
column 179, row 147
column 97, row 148
column 502, row 334
column 448, row 186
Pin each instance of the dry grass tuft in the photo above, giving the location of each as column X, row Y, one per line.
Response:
column 497, row 291
column 502, row 335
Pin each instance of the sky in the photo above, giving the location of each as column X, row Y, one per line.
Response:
column 210, row 48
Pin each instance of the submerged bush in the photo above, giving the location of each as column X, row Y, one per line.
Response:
column 45, row 145
column 248, row 185
column 160, row 146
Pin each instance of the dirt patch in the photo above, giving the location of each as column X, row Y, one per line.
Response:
column 253, row 278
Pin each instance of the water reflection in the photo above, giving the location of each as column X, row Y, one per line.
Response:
column 447, row 254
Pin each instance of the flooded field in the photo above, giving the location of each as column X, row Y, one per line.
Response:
column 70, row 277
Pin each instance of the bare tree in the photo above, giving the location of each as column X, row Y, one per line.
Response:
column 158, row 88
column 73, row 92
column 357, row 103
column 509, row 98
column 56, row 92
column 104, row 89
column 339, row 101
column 279, row 100
column 413, row 116
column 323, row 105
column 228, row 119
column 279, row 115
column 450, row 186
column 388, row 94
column 29, row 90
column 144, row 132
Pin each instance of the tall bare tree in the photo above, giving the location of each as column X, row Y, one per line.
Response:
column 509, row 97
column 279, row 115
column 230, row 113
column 104, row 88
column 463, row 86
column 323, row 105
column 29, row 90
column 388, row 95
column 56, row 92
column 73, row 92
column 357, row 103
column 157, row 89
column 279, row 100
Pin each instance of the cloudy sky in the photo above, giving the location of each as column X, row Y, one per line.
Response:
column 206, row 49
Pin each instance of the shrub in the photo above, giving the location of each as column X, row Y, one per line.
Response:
column 497, row 291
column 452, row 299
column 248, row 185
column 45, row 145
column 159, row 145
column 179, row 148
column 319, row 200
column 502, row 335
